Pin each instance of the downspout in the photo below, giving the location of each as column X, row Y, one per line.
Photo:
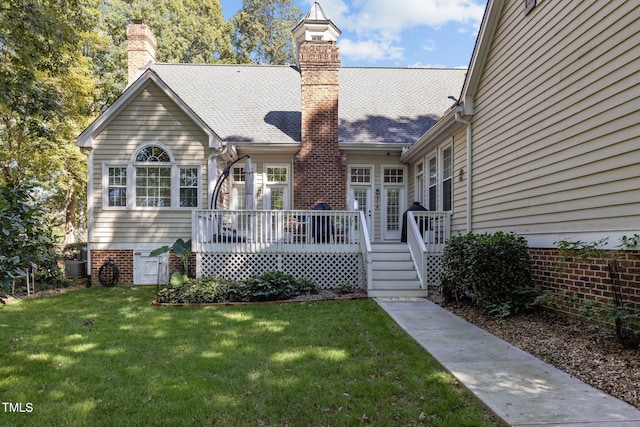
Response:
column 459, row 119
column 89, row 153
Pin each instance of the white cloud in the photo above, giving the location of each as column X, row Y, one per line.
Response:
column 369, row 50
column 372, row 29
column 429, row 45
column 376, row 15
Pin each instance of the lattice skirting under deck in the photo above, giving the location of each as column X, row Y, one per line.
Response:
column 328, row 270
column 433, row 263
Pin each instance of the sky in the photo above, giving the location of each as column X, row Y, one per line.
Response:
column 399, row 33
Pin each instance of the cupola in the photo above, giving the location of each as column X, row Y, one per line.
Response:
column 315, row 27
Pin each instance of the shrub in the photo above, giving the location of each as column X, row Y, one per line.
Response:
column 491, row 270
column 345, row 287
column 27, row 239
column 270, row 286
column 196, row 291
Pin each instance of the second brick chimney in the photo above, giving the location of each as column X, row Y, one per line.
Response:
column 320, row 168
column 142, row 46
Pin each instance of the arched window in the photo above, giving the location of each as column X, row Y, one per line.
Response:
column 152, row 153
column 151, row 179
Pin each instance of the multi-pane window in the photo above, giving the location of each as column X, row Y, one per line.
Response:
column 394, row 175
column 117, row 187
column 189, row 187
column 277, row 174
column 447, row 178
column 153, row 186
column 239, row 190
column 433, row 184
column 277, row 187
column 360, row 175
column 152, row 179
column 277, row 199
column 419, row 190
column 153, row 153
column 239, row 174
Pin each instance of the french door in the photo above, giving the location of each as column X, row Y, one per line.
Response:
column 360, row 200
column 394, row 202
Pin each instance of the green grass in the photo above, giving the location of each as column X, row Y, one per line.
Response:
column 301, row 364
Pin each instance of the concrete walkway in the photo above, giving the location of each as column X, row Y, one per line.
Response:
column 519, row 388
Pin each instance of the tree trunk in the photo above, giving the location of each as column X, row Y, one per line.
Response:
column 70, row 215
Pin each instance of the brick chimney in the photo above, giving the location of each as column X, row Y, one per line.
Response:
column 320, row 168
column 142, row 46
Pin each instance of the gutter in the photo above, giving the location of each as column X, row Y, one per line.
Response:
column 459, row 119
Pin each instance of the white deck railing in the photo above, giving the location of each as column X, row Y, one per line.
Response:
column 427, row 233
column 259, row 231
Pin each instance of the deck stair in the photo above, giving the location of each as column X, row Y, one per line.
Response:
column 393, row 272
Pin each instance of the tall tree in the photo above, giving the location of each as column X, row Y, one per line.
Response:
column 39, row 45
column 262, row 31
column 45, row 87
column 189, row 31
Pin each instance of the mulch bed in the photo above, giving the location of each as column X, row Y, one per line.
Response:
column 582, row 349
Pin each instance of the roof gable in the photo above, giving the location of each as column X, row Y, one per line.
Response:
column 243, row 103
column 86, row 137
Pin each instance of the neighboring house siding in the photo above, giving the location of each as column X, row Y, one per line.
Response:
column 557, row 122
column 150, row 117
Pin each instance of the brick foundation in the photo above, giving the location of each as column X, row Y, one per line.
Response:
column 123, row 259
column 577, row 283
column 175, row 264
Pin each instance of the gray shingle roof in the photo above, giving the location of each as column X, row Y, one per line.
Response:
column 394, row 104
column 261, row 104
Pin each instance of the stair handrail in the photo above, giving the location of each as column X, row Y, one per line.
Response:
column 417, row 248
column 365, row 247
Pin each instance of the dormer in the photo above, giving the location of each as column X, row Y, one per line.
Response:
column 316, row 27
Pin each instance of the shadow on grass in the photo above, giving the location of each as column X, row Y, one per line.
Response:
column 105, row 356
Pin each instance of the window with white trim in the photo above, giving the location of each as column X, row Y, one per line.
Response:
column 393, row 175
column 433, row 184
column 360, row 175
column 152, row 179
column 447, row 178
column 238, row 187
column 419, row 187
column 153, row 186
column 117, row 186
column 189, row 180
column 277, row 187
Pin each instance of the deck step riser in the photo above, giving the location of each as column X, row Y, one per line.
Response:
column 393, row 272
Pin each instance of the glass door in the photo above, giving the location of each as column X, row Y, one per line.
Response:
column 394, row 203
column 360, row 200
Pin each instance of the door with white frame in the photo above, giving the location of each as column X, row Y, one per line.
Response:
column 360, row 184
column 276, row 192
column 360, row 200
column 393, row 201
column 276, row 197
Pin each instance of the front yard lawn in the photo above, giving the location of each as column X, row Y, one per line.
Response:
column 106, row 357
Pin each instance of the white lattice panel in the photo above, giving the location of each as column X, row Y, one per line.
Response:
column 432, row 265
column 328, row 270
